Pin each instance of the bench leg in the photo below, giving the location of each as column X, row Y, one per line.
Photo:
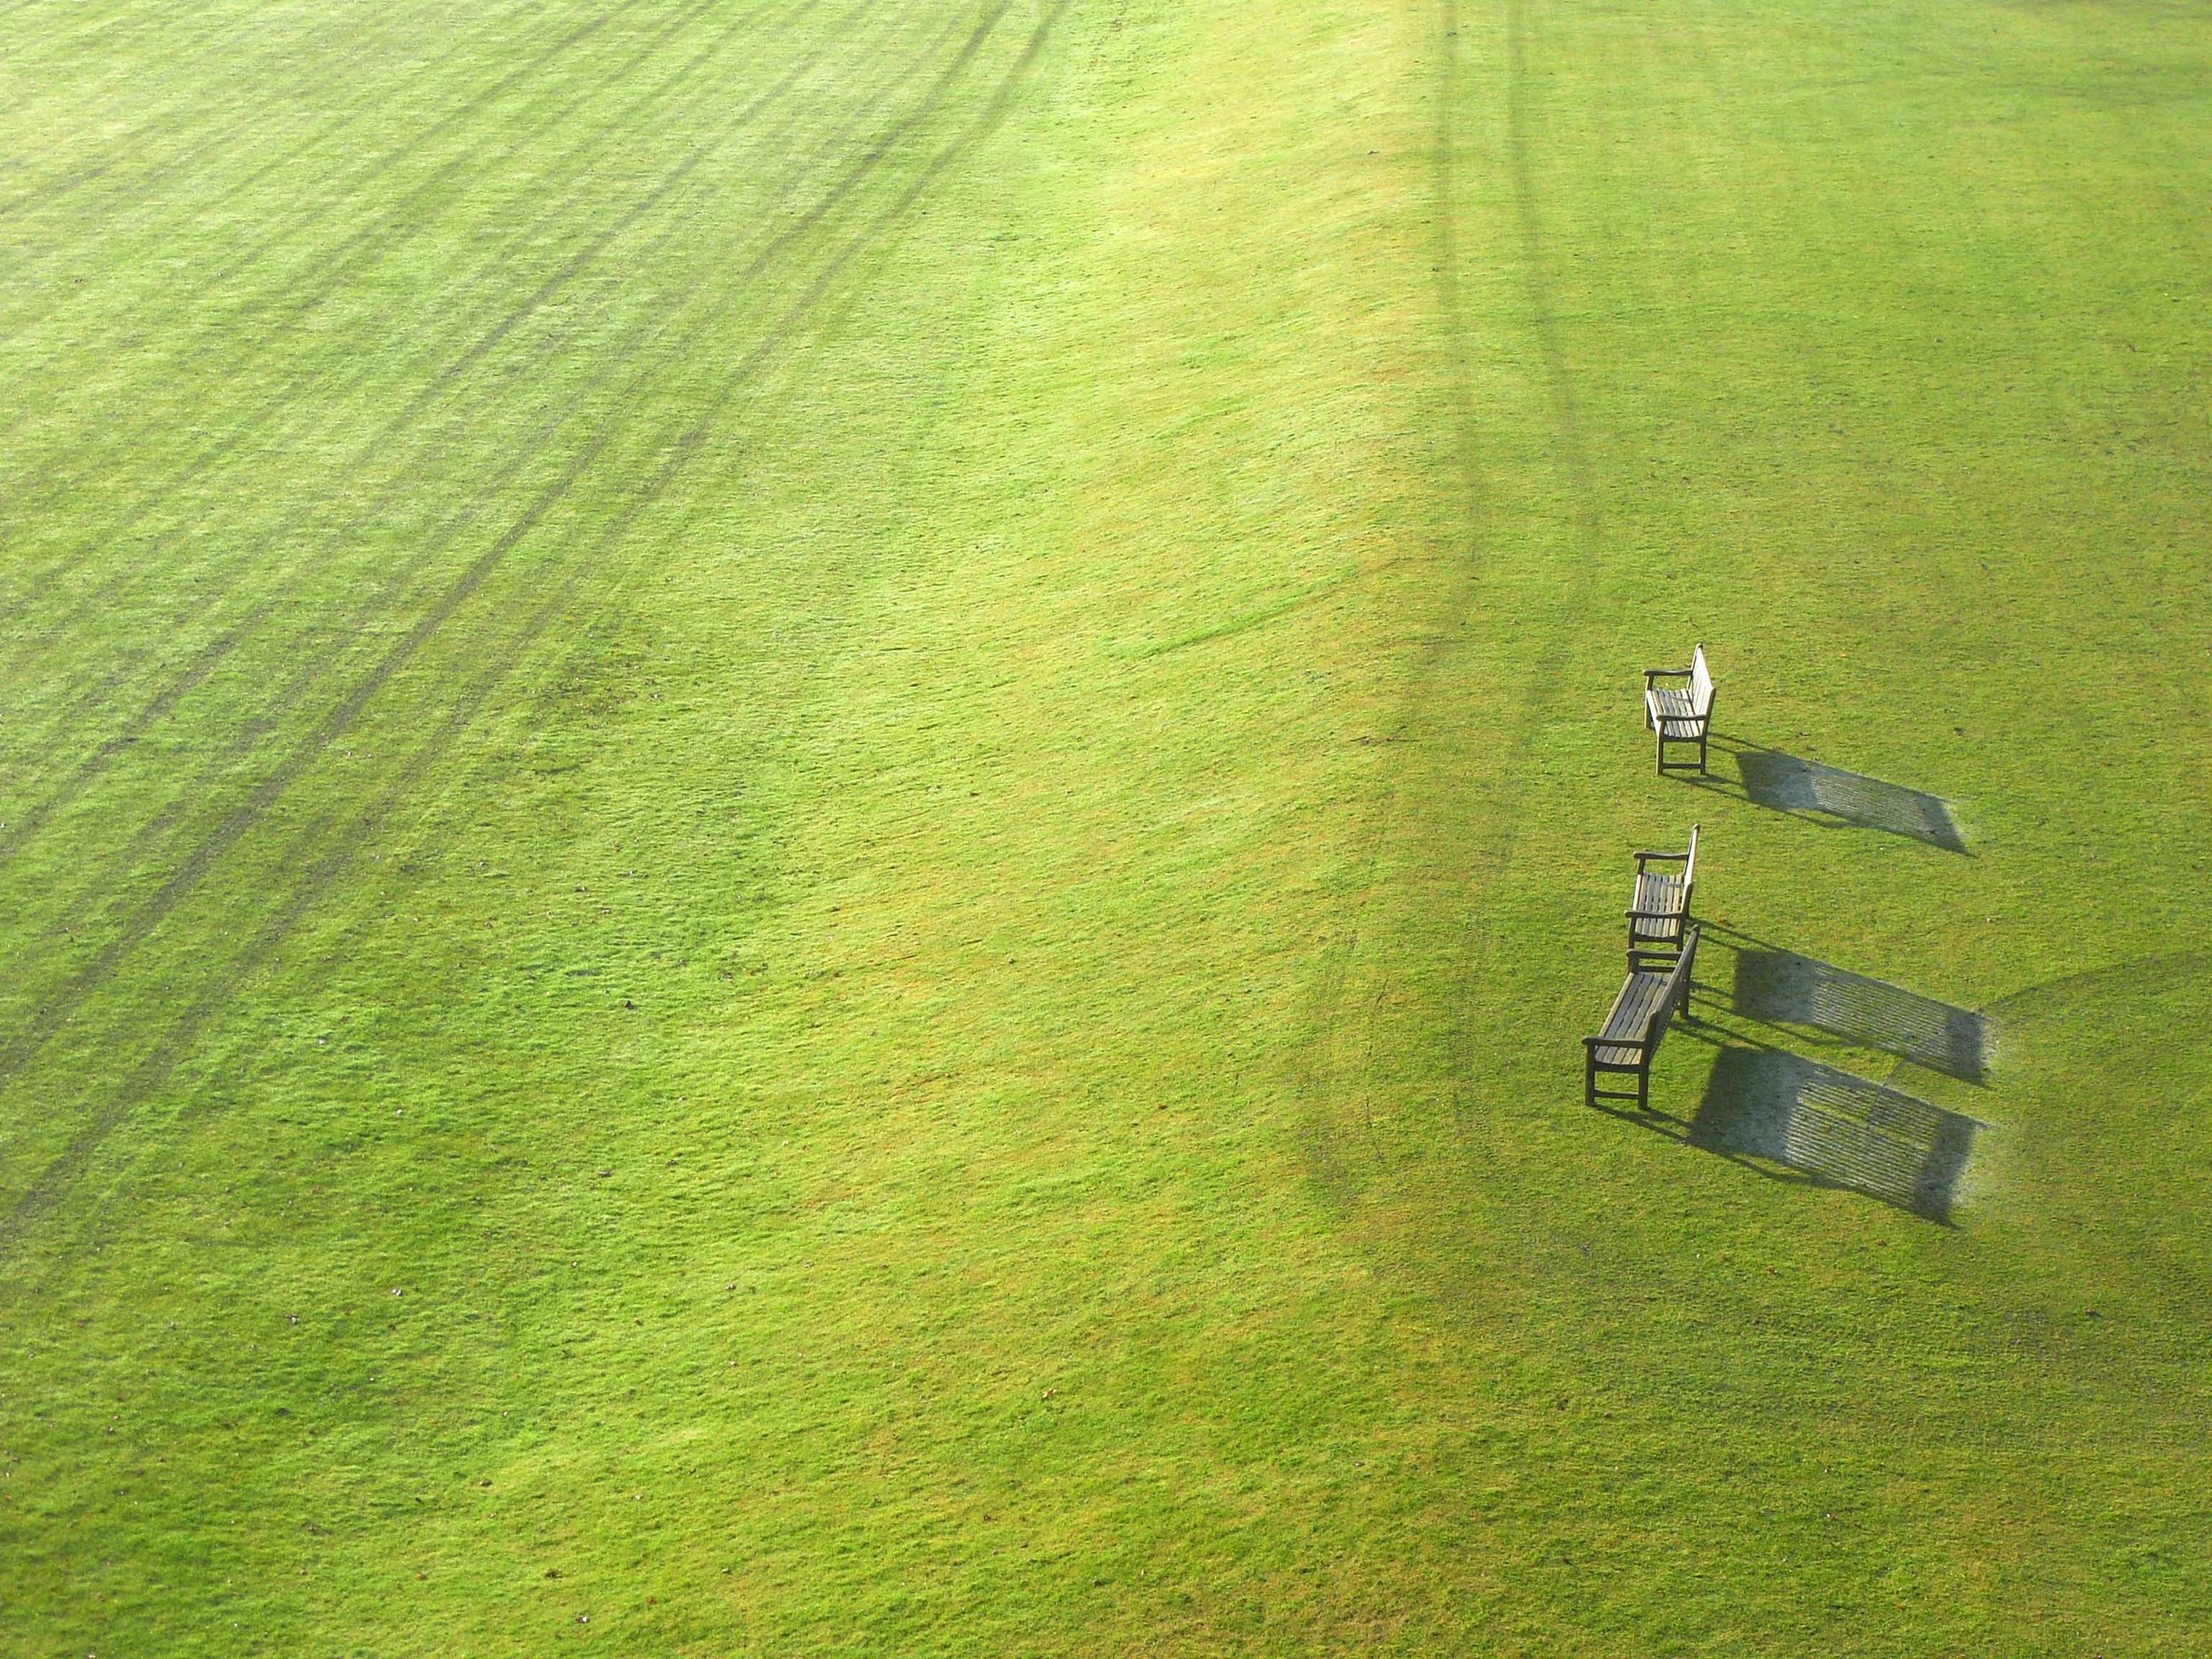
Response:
column 1683, row 765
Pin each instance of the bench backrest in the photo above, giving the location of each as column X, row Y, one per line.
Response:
column 1700, row 685
column 1675, row 995
column 1689, row 867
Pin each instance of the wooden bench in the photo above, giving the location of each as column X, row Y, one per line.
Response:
column 1660, row 908
column 1656, row 989
column 1680, row 714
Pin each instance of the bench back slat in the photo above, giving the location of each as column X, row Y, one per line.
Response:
column 1700, row 685
column 1689, row 869
column 1678, row 991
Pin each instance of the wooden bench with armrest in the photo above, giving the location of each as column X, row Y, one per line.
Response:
column 1660, row 908
column 1657, row 987
column 1680, row 714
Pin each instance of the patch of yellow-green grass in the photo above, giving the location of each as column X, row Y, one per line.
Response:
column 807, row 810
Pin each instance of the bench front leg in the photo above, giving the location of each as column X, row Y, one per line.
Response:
column 1593, row 1067
column 1699, row 739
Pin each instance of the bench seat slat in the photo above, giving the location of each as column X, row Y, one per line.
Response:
column 1633, row 1007
column 1675, row 711
column 1637, row 1021
column 1658, row 896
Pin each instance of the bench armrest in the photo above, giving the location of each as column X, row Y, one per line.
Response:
column 1637, row 1043
column 1668, row 859
column 1651, row 674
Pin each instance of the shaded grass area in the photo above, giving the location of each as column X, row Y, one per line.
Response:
column 806, row 808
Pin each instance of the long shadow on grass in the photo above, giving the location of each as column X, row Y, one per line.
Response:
column 1780, row 987
column 1830, row 796
column 1830, row 1129
column 1793, row 1119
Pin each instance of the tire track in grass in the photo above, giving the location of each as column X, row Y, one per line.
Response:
column 258, row 345
column 1322, row 1072
column 56, row 632
column 27, row 823
column 219, row 766
column 222, row 48
column 1500, row 805
column 194, row 868
column 357, row 827
column 291, row 153
column 363, row 250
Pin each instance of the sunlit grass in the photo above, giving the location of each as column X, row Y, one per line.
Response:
column 807, row 810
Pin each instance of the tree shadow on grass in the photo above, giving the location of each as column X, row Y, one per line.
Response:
column 1830, row 795
column 1780, row 987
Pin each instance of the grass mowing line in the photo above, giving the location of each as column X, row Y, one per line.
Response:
column 392, row 586
column 364, row 248
column 73, row 714
column 312, row 669
column 1750, row 1351
column 197, row 668
column 361, row 251
column 261, row 345
column 195, row 867
column 1318, row 1072
column 223, row 51
column 107, row 594
column 317, row 878
column 257, row 345
column 1255, row 617
column 289, row 155
column 556, row 101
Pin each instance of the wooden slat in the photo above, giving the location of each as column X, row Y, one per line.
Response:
column 1640, row 998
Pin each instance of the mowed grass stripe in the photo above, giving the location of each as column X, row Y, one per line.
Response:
column 557, row 69
column 1002, row 1246
column 249, row 574
column 666, row 322
column 330, row 52
column 311, row 663
column 215, row 580
column 98, row 250
column 307, row 873
column 392, row 580
column 231, row 337
column 195, row 867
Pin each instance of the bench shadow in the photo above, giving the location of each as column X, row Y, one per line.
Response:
column 1828, row 1128
column 1780, row 987
column 1830, row 795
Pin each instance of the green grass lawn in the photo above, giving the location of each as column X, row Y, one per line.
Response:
column 806, row 809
